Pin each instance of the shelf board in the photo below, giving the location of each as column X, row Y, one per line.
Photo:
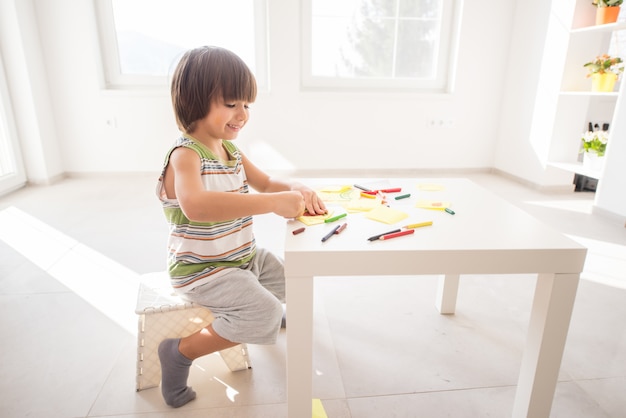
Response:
column 577, row 168
column 609, row 27
column 589, row 94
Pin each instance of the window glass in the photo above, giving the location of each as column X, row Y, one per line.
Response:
column 384, row 43
column 12, row 174
column 145, row 38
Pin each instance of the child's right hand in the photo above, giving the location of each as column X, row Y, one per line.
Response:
column 288, row 204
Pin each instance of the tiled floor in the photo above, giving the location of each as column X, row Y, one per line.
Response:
column 70, row 259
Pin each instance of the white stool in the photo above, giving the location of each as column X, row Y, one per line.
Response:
column 162, row 314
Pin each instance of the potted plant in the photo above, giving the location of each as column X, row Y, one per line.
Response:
column 594, row 148
column 607, row 10
column 604, row 71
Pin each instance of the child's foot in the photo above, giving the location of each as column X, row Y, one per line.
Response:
column 174, row 374
column 283, row 321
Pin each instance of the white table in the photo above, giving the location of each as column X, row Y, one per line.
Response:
column 487, row 235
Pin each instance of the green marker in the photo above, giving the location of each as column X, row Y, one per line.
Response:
column 334, row 218
column 450, row 211
column 404, row 196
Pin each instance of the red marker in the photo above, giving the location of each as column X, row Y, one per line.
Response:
column 397, row 234
column 297, row 231
column 392, row 190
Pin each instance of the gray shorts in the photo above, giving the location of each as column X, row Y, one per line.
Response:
column 246, row 303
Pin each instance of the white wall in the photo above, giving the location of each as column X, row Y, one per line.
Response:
column 289, row 128
column 528, row 105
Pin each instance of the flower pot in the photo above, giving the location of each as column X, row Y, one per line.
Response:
column 604, row 82
column 606, row 15
column 592, row 161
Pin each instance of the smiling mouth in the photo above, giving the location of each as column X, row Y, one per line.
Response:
column 235, row 127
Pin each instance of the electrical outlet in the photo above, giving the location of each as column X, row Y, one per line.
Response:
column 110, row 122
column 439, row 123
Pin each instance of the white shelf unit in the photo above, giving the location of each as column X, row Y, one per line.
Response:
column 576, row 105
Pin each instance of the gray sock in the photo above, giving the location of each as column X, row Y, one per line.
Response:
column 174, row 374
column 283, row 322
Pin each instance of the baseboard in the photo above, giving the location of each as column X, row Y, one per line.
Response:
column 47, row 181
column 378, row 173
column 565, row 188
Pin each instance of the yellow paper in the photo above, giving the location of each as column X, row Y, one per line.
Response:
column 361, row 205
column 335, row 189
column 318, row 409
column 431, row 187
column 336, row 194
column 315, row 220
column 386, row 214
column 432, row 204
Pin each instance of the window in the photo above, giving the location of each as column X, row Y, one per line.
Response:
column 142, row 40
column 12, row 175
column 393, row 44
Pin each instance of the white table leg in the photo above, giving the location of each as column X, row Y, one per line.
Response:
column 447, row 291
column 547, row 333
column 299, row 296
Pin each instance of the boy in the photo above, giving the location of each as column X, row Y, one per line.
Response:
column 212, row 255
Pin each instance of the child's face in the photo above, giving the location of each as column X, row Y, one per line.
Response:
column 225, row 119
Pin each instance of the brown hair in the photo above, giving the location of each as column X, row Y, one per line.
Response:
column 206, row 74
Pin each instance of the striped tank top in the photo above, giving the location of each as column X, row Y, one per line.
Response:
column 198, row 251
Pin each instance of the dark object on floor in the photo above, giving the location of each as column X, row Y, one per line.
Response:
column 585, row 184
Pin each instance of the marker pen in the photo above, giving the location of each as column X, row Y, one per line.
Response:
column 341, row 228
column 331, row 233
column 375, row 237
column 397, row 234
column 419, row 225
column 335, row 218
column 365, row 189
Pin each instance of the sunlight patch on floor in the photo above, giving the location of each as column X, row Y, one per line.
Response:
column 579, row 206
column 106, row 285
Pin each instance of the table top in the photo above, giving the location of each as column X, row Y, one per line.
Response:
column 486, row 235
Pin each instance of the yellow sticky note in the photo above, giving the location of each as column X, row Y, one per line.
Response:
column 386, row 214
column 361, row 205
column 314, row 220
column 335, row 189
column 336, row 194
column 432, row 204
column 431, row 187
column 318, row 409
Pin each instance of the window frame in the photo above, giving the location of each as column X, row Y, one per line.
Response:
column 12, row 172
column 447, row 59
column 113, row 79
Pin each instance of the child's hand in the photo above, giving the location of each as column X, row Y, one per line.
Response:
column 289, row 204
column 312, row 202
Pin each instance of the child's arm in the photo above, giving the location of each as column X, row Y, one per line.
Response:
column 263, row 183
column 202, row 205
